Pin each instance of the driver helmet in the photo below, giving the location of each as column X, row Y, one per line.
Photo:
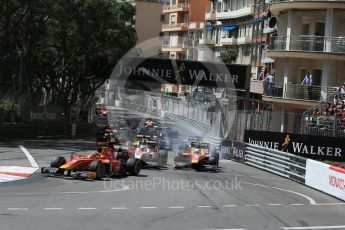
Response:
column 142, row 147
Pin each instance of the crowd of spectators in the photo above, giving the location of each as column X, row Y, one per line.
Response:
column 331, row 115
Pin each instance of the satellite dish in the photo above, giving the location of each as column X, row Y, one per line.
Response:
column 273, row 22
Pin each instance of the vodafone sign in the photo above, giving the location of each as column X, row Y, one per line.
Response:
column 326, row 178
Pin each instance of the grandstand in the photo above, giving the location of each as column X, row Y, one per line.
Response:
column 328, row 117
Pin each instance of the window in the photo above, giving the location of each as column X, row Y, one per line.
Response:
column 173, row 20
column 162, row 17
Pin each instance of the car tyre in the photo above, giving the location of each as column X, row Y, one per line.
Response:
column 163, row 157
column 57, row 162
column 133, row 166
column 99, row 168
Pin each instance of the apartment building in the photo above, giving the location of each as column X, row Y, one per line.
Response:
column 229, row 26
column 183, row 28
column 310, row 39
column 264, row 28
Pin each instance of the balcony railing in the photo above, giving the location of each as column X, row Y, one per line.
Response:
column 229, row 41
column 308, row 43
column 297, row 91
column 176, row 7
column 211, row 14
column 206, row 41
column 176, row 25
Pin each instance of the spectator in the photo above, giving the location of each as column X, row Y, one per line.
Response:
column 342, row 91
column 308, row 82
column 268, row 84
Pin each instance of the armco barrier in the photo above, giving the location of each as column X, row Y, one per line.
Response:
column 278, row 162
column 326, row 178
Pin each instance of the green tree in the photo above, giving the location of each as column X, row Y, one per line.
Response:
column 229, row 55
column 66, row 48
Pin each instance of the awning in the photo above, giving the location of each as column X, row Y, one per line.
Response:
column 259, row 19
column 228, row 28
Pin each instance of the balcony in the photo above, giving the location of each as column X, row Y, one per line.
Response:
column 256, row 86
column 244, row 40
column 176, row 8
column 174, row 48
column 195, row 26
column 229, row 41
column 206, row 41
column 218, row 15
column 210, row 16
column 334, row 47
column 281, row 5
column 174, row 27
column 296, row 93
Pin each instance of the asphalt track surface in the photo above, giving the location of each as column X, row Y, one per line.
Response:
column 236, row 197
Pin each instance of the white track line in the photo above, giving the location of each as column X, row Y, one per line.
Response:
column 176, row 207
column 229, row 206
column 329, row 204
column 87, row 208
column 29, row 156
column 17, row 209
column 274, row 204
column 53, row 208
column 311, row 200
column 148, row 207
column 252, row 205
column 314, row 227
column 119, row 208
column 204, row 206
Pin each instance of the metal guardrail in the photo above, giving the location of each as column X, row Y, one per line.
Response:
column 277, row 162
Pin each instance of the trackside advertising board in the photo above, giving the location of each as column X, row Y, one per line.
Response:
column 326, row 178
column 232, row 150
column 308, row 146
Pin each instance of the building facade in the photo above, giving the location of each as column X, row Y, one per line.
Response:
column 183, row 28
column 229, row 26
column 310, row 38
column 310, row 41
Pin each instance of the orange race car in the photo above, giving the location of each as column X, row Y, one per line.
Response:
column 107, row 161
column 196, row 156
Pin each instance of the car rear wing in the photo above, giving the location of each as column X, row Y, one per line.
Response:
column 199, row 145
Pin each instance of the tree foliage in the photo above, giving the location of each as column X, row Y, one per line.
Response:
column 66, row 48
column 229, row 55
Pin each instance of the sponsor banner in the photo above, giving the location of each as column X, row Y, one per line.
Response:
column 232, row 150
column 182, row 72
column 326, row 178
column 308, row 146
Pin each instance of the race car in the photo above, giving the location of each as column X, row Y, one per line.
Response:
column 196, row 156
column 150, row 154
column 105, row 162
